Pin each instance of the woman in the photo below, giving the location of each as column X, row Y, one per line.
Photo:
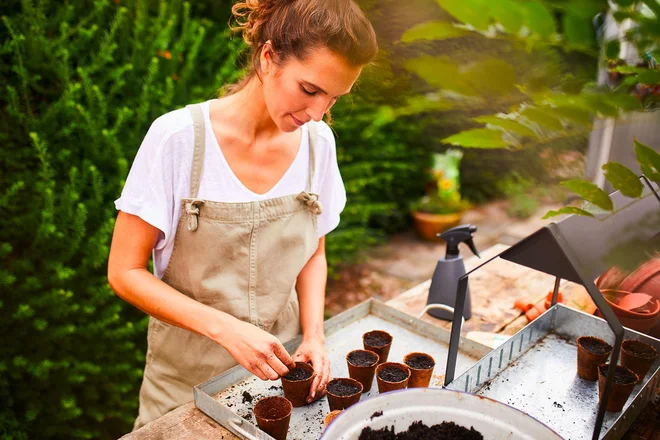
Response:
column 234, row 198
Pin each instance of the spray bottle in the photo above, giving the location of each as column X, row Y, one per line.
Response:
column 442, row 293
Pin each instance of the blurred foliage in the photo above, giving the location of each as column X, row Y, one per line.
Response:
column 82, row 81
column 548, row 107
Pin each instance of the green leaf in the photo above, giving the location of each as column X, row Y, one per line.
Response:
column 442, row 73
column 506, row 124
column 472, row 12
column 538, row 19
column 508, row 13
column 590, row 192
column 500, row 80
column 612, row 49
column 578, row 30
column 623, row 179
column 542, row 118
column 567, row 210
column 432, row 30
column 649, row 160
column 478, row 138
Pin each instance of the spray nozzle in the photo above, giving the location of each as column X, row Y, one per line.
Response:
column 459, row 234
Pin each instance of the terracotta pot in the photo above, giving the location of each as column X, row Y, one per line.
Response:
column 296, row 391
column 384, row 385
column 587, row 359
column 338, row 402
column 620, row 391
column 419, row 377
column 638, row 356
column 641, row 322
column 330, row 417
column 273, row 415
column 428, row 226
column 362, row 373
column 381, row 350
column 644, row 279
column 611, row 278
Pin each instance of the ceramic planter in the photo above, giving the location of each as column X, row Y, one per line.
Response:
column 428, row 226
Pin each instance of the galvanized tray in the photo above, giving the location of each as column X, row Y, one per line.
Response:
column 222, row 398
column 536, row 372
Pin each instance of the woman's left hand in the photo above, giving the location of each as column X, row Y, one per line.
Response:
column 313, row 350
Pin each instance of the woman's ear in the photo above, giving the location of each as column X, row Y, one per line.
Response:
column 266, row 57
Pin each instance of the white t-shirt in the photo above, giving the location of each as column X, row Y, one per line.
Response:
column 160, row 178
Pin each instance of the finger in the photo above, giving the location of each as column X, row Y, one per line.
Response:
column 268, row 371
column 254, row 369
column 317, row 363
column 283, row 355
column 276, row 364
column 326, row 377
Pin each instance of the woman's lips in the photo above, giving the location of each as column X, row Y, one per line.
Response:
column 298, row 122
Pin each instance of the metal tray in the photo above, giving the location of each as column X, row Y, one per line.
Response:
column 222, row 397
column 536, row 372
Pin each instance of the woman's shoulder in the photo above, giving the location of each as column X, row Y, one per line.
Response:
column 173, row 123
column 325, row 136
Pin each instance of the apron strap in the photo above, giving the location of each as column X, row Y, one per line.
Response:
column 193, row 203
column 200, row 146
column 308, row 197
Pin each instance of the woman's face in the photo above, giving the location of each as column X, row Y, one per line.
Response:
column 298, row 91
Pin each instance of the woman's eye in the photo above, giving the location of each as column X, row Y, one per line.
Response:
column 307, row 92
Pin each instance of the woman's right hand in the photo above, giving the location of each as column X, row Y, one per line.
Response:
column 259, row 352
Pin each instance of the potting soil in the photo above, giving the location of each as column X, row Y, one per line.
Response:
column 419, row 431
column 392, row 374
column 298, row 373
column 420, row 362
column 361, row 359
column 641, row 350
column 342, row 389
column 621, row 376
column 376, row 340
column 595, row 346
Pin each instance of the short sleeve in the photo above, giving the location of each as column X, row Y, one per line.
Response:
column 332, row 193
column 149, row 189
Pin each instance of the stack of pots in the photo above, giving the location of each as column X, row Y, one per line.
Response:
column 634, row 296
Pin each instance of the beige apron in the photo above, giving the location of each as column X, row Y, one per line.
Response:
column 240, row 258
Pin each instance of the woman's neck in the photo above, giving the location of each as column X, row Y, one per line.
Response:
column 250, row 114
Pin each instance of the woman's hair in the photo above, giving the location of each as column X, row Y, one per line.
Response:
column 296, row 27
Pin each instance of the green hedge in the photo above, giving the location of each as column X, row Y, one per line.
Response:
column 82, row 81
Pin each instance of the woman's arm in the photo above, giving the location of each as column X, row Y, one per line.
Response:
column 132, row 243
column 310, row 286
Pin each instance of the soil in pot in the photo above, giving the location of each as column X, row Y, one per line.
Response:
column 343, row 392
column 421, row 369
column 638, row 356
column 623, row 382
column 362, row 367
column 392, row 376
column 419, row 431
column 297, row 382
column 591, row 352
column 273, row 415
column 379, row 342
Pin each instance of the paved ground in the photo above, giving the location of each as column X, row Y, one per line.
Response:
column 405, row 261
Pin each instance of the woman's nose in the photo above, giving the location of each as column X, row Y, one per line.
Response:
column 319, row 107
